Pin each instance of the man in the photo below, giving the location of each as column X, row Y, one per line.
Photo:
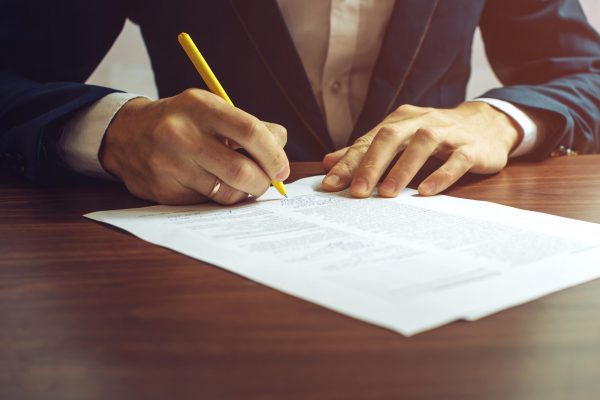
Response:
column 356, row 82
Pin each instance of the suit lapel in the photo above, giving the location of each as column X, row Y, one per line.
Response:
column 266, row 30
column 406, row 32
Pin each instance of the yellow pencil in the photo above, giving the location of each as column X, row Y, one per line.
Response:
column 212, row 82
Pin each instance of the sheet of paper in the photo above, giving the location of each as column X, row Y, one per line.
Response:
column 409, row 264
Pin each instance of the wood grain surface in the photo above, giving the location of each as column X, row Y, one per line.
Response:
column 90, row 312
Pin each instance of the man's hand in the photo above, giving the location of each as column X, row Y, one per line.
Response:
column 172, row 151
column 473, row 137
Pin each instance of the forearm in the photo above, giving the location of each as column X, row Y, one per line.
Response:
column 566, row 111
column 548, row 57
column 31, row 117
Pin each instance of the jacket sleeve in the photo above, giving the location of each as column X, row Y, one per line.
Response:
column 47, row 51
column 548, row 56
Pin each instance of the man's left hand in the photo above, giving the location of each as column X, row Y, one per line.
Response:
column 473, row 137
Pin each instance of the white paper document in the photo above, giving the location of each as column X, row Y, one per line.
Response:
column 409, row 264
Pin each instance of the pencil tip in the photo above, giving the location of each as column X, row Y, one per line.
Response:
column 285, row 195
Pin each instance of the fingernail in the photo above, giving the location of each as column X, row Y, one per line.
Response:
column 332, row 180
column 389, row 186
column 360, row 185
column 283, row 173
column 427, row 188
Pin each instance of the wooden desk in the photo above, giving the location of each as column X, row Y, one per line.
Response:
column 90, row 312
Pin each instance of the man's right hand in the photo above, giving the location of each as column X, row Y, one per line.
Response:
column 172, row 151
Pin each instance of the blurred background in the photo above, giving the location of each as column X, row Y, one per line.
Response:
column 127, row 66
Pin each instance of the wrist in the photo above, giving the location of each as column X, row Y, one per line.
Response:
column 508, row 130
column 125, row 123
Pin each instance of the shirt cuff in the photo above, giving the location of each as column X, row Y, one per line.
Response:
column 528, row 126
column 82, row 136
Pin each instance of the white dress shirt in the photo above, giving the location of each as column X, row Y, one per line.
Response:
column 338, row 42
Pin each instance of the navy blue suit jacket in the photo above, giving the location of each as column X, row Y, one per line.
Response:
column 544, row 51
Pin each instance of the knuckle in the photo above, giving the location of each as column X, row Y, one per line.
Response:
column 435, row 112
column 275, row 128
column 353, row 156
column 343, row 168
column 387, row 133
column 369, row 167
column 169, row 126
column 201, row 100
column 190, row 93
column 363, row 141
column 278, row 160
column 427, row 134
column 340, row 170
column 283, row 136
column 279, row 132
column 170, row 132
column 241, row 172
column 250, row 129
column 445, row 175
column 403, row 176
column 405, row 109
column 465, row 156
column 193, row 95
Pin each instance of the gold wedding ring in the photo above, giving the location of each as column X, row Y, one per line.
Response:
column 215, row 188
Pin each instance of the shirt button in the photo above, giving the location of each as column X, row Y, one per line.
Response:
column 335, row 87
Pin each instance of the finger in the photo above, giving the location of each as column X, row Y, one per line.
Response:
column 222, row 193
column 252, row 134
column 234, row 169
column 232, row 144
column 203, row 182
column 456, row 166
column 340, row 175
column 386, row 144
column 167, row 192
column 421, row 146
column 179, row 194
column 331, row 159
column 278, row 131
